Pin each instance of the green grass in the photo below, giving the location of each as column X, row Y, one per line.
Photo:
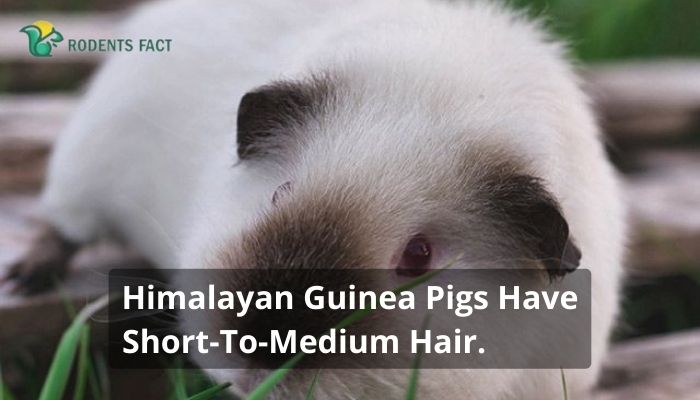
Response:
column 601, row 30
column 4, row 391
column 178, row 383
column 76, row 339
column 76, row 342
column 83, row 364
column 62, row 364
column 412, row 390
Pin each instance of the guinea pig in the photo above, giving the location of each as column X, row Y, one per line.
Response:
column 386, row 133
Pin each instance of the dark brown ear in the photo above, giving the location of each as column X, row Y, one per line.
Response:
column 269, row 115
column 536, row 222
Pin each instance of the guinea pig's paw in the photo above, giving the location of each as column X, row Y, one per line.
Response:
column 43, row 265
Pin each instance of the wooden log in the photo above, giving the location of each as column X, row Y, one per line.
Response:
column 655, row 368
column 664, row 208
column 29, row 76
column 28, row 127
column 641, row 102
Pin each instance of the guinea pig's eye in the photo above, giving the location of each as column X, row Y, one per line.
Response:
column 281, row 190
column 415, row 259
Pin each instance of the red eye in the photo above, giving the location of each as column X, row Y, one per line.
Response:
column 415, row 259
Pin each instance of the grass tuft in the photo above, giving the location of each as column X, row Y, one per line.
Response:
column 83, row 364
column 62, row 363
column 178, row 382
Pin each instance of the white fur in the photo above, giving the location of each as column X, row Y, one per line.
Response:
column 150, row 155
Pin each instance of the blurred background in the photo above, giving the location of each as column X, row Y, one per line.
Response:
column 640, row 63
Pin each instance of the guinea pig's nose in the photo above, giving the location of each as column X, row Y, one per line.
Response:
column 294, row 316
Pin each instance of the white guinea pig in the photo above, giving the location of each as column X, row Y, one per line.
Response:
column 387, row 133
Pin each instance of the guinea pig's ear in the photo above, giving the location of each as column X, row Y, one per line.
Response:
column 534, row 218
column 270, row 114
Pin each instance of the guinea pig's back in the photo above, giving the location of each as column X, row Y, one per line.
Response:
column 132, row 157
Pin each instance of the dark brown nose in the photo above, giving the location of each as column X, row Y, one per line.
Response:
column 299, row 244
column 288, row 288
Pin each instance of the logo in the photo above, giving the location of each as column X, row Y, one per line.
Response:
column 42, row 38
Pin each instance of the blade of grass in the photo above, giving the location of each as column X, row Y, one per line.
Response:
column 177, row 379
column 273, row 379
column 4, row 391
column 277, row 375
column 103, row 375
column 92, row 380
column 89, row 365
column 57, row 378
column 310, row 392
column 563, row 384
column 61, row 365
column 83, row 364
column 210, row 393
column 413, row 379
